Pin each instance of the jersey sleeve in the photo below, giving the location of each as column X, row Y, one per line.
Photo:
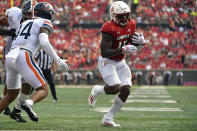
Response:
column 107, row 28
column 48, row 25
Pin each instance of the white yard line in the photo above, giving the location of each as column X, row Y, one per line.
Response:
column 149, row 96
column 149, row 93
column 150, row 101
column 106, row 109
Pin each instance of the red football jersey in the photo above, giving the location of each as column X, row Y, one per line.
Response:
column 121, row 36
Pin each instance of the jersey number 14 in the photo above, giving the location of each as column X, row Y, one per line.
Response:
column 26, row 30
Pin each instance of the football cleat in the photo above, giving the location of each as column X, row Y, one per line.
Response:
column 32, row 115
column 17, row 116
column 7, row 111
column 55, row 100
column 93, row 96
column 109, row 123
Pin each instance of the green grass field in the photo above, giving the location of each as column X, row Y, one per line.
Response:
column 72, row 113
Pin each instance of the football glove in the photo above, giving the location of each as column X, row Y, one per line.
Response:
column 62, row 64
column 12, row 33
column 129, row 48
column 138, row 39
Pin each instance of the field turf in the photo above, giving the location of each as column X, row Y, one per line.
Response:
column 72, row 113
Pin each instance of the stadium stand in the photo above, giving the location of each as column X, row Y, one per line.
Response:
column 169, row 28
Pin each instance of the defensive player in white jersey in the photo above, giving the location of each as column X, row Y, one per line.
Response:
column 11, row 33
column 32, row 34
column 13, row 17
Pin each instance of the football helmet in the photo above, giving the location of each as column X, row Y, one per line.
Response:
column 27, row 9
column 44, row 10
column 120, row 13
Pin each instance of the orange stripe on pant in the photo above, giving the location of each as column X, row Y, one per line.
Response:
column 33, row 69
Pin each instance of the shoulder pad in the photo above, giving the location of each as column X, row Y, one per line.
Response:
column 107, row 27
column 47, row 24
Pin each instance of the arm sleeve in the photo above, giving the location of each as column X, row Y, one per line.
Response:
column 47, row 47
column 6, row 32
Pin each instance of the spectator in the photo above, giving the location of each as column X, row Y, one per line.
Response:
column 67, row 77
column 179, row 78
column 89, row 77
column 167, row 77
column 138, row 77
column 77, row 78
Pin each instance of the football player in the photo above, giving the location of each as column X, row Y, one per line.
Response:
column 116, row 36
column 32, row 34
column 13, row 17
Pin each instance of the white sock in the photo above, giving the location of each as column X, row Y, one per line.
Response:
column 100, row 89
column 115, row 108
column 30, row 102
column 21, row 98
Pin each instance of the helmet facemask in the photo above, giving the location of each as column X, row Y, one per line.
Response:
column 122, row 19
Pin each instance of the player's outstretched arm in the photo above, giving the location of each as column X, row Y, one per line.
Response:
column 44, row 42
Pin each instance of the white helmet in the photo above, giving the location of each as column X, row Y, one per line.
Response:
column 120, row 13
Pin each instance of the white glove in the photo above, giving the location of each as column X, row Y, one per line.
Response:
column 138, row 39
column 129, row 48
column 62, row 64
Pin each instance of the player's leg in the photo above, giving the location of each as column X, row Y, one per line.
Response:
column 6, row 49
column 12, row 94
column 13, row 85
column 7, row 109
column 124, row 75
column 36, row 79
column 40, row 93
column 23, row 95
column 48, row 75
column 110, row 76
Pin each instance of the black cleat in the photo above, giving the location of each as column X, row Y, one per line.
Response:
column 17, row 116
column 30, row 112
column 7, row 111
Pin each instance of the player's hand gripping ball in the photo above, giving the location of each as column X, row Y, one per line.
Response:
column 137, row 39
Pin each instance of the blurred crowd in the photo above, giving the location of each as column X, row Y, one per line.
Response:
column 173, row 47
